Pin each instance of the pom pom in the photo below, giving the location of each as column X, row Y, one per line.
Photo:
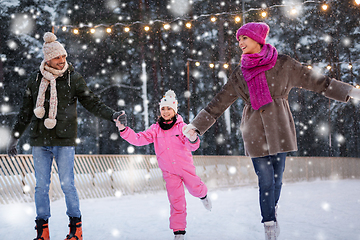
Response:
column 170, row 93
column 39, row 112
column 50, row 123
column 49, row 37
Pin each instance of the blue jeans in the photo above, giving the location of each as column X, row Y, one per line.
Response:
column 64, row 158
column 269, row 170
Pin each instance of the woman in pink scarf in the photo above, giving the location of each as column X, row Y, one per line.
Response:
column 263, row 80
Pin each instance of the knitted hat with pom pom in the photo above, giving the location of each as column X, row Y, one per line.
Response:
column 51, row 47
column 254, row 30
column 169, row 100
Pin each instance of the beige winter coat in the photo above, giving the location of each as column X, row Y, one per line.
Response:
column 271, row 129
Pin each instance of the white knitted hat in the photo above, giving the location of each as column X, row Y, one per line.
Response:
column 169, row 100
column 51, row 47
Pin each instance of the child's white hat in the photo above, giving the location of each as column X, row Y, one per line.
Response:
column 169, row 100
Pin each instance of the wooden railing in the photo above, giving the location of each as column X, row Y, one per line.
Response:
column 99, row 176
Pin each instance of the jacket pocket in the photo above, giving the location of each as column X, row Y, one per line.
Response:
column 66, row 129
column 34, row 128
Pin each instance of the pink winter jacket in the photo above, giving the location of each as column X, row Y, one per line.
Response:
column 172, row 148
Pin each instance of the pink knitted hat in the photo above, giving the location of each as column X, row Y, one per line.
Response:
column 254, row 30
column 51, row 47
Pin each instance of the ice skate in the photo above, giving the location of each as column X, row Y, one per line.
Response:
column 75, row 232
column 206, row 202
column 42, row 229
column 277, row 226
column 179, row 235
column 270, row 230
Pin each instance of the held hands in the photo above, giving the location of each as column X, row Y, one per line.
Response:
column 189, row 132
column 120, row 119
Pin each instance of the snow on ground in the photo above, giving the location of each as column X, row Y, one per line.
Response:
column 319, row 210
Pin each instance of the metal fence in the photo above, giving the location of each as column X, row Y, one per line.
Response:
column 99, row 176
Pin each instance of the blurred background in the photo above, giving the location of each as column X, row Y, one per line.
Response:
column 131, row 52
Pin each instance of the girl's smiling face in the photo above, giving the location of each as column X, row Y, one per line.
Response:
column 248, row 45
column 167, row 113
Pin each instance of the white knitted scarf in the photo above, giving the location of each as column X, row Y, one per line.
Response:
column 49, row 77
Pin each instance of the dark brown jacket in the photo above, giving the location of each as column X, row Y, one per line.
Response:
column 71, row 88
column 271, row 129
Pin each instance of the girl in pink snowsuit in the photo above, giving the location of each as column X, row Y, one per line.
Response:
column 173, row 152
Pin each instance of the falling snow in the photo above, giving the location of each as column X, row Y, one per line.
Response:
column 179, row 7
column 5, row 135
column 316, row 210
column 22, row 24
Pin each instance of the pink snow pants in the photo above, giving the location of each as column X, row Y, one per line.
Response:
column 176, row 194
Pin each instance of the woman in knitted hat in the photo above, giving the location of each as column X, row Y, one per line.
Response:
column 173, row 152
column 263, row 80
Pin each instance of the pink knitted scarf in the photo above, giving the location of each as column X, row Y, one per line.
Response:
column 49, row 78
column 253, row 67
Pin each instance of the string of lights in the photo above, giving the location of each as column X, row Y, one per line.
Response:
column 237, row 16
column 293, row 10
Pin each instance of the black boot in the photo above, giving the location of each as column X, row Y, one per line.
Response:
column 179, row 235
column 42, row 229
column 75, row 232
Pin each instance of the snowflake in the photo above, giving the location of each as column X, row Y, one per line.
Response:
column 5, row 135
column 179, row 7
column 26, row 147
column 27, row 188
column 130, row 149
column 12, row 44
column 153, row 161
column 22, row 24
column 214, row 196
column 110, row 171
column 187, row 94
column 327, row 38
column 121, row 102
column 346, row 42
column 220, row 139
column 112, row 4
column 20, row 71
column 118, row 194
column 196, row 74
column 340, row 138
column 115, row 233
column 232, row 170
column 137, row 108
column 325, row 206
column 65, row 20
column 5, row 108
column 114, row 136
